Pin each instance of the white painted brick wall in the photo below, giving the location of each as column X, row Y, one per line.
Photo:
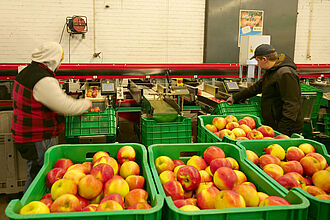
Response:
column 139, row 31
column 320, row 35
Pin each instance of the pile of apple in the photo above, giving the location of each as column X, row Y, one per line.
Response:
column 102, row 185
column 92, row 93
column 243, row 129
column 296, row 167
column 212, row 182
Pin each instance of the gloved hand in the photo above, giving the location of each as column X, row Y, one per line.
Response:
column 230, row 100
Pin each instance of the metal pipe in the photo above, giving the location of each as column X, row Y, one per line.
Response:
column 94, row 17
column 310, row 32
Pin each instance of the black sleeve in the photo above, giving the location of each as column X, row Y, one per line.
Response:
column 253, row 90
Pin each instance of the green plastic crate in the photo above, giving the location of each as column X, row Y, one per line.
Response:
column 89, row 124
column 326, row 118
column 319, row 208
column 79, row 153
column 223, row 108
column 298, row 209
column 153, row 132
column 206, row 136
column 317, row 103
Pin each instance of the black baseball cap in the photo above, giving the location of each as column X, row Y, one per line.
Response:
column 262, row 50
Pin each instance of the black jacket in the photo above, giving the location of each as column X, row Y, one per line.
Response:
column 281, row 103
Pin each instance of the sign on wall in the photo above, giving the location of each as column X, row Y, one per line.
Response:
column 250, row 23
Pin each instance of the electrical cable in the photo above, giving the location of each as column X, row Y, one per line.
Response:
column 62, row 33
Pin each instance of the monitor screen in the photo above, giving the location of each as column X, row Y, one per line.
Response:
column 107, row 87
column 232, row 85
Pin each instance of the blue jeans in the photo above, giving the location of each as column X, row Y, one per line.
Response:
column 33, row 166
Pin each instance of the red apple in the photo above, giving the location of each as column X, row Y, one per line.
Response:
column 110, row 161
column 126, row 153
column 266, row 131
column 83, row 202
column 116, row 185
column 238, row 132
column 229, row 199
column 99, row 154
column 89, row 187
column 245, row 128
column 224, row 178
column 109, row 205
column 66, row 203
column 232, row 125
column 212, row 128
column 178, row 162
column 241, row 177
column 206, row 198
column 189, row 177
column 212, row 153
column 226, row 132
column 198, row 162
column 219, row 162
column 135, row 182
column 234, row 163
column 129, row 168
column 174, row 190
column 268, row 159
column 167, row 176
column 231, row 118
column 140, row 205
column 252, row 156
column 163, row 163
column 79, row 167
column 219, row 122
column 88, row 165
column 102, row 172
column 276, row 150
column 254, row 135
column 252, row 121
column 205, row 177
column 306, row 148
column 245, row 122
column 48, row 202
column 322, row 179
column 273, row 170
column 75, row 175
column 203, row 186
column 135, row 196
column 249, row 194
column 182, row 202
column 262, row 196
column 292, row 166
column 314, row 190
column 294, row 153
column 274, row 201
column 291, row 180
column 63, row 186
column 63, row 163
column 310, row 165
column 53, row 175
column 242, row 138
column 90, row 208
column 115, row 197
column 320, row 158
column 282, row 136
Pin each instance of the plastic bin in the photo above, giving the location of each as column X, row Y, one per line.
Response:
column 298, row 209
column 91, row 124
column 153, row 132
column 79, row 153
column 251, row 108
column 319, row 208
column 317, row 103
column 326, row 118
column 13, row 166
column 206, row 136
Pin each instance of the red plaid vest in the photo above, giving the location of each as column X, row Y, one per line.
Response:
column 32, row 121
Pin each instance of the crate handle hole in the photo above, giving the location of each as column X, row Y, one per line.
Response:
column 9, row 155
column 89, row 155
column 188, row 154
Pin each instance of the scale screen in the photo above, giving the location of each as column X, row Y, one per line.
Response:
column 232, row 86
column 108, row 87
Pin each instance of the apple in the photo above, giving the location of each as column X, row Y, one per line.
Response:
column 208, row 170
column 79, row 167
column 116, row 185
column 189, row 177
column 327, row 197
column 89, row 93
column 140, row 205
column 282, row 136
column 83, row 202
column 174, row 190
column 135, row 182
column 239, row 132
column 226, row 132
column 115, row 197
column 109, row 205
column 74, row 175
column 310, row 165
column 212, row 128
column 189, row 208
column 306, row 148
column 135, row 196
column 262, row 196
column 241, row 177
column 231, row 118
column 249, row 194
column 268, row 159
column 212, row 153
column 314, row 190
column 89, row 166
column 294, row 153
column 163, row 163
column 250, row 184
column 97, row 199
column 252, row 121
column 90, row 208
column 266, row 131
column 89, row 187
column 246, row 123
column 102, row 172
column 274, row 201
column 292, row 166
column 182, row 202
column 126, row 153
column 253, row 157
column 276, row 150
column 178, row 162
column 203, row 186
column 219, row 122
column 320, row 158
column 167, row 176
column 205, row 177
column 198, row 162
column 100, row 154
column 291, row 180
column 188, row 194
column 224, row 178
column 216, row 133
column 254, row 135
column 34, row 207
column 308, row 181
column 94, row 93
column 110, row 161
column 63, row 186
column 47, row 201
column 53, row 175
column 232, row 125
column 233, row 162
column 229, row 199
column 322, row 179
column 63, row 163
column 273, row 170
column 219, row 162
column 129, row 168
column 176, row 170
column 66, row 203
column 245, row 128
column 206, row 198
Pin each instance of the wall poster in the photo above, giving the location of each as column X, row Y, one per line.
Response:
column 250, row 23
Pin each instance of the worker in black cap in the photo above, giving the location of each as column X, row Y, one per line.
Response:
column 281, row 104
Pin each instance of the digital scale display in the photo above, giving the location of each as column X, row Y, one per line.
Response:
column 232, row 86
column 108, row 87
